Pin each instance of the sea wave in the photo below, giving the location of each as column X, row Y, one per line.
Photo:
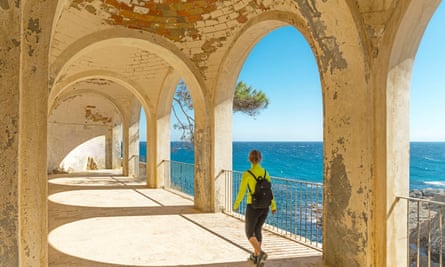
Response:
column 435, row 183
column 433, row 159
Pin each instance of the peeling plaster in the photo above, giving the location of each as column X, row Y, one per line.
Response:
column 32, row 34
column 34, row 25
column 4, row 4
column 92, row 115
column 2, row 66
column 100, row 82
column 15, row 42
column 345, row 222
column 174, row 20
column 8, row 233
column 332, row 57
column 340, row 188
column 8, row 134
column 91, row 9
column 337, row 202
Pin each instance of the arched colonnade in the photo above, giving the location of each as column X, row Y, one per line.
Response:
column 365, row 52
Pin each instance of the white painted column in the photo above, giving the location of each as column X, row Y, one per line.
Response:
column 222, row 151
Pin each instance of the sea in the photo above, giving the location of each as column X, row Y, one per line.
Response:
column 304, row 160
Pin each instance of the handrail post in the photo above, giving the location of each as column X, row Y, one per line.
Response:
column 428, row 225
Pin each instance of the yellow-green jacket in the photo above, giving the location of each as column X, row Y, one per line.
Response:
column 248, row 179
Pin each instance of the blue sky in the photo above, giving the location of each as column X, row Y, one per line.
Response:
column 427, row 100
column 283, row 66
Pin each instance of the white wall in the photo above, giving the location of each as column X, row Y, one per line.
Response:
column 77, row 128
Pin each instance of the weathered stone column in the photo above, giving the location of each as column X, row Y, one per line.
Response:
column 394, row 49
column 204, row 174
column 23, row 116
column 117, row 145
column 348, row 129
column 348, row 185
column 109, row 148
column 125, row 134
column 223, row 152
column 204, row 194
column 162, row 149
column 33, row 186
column 133, row 142
column 162, row 144
column 23, row 235
column 152, row 179
column 9, row 139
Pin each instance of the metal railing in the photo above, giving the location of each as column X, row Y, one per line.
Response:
column 299, row 206
column 299, row 215
column 426, row 245
column 179, row 176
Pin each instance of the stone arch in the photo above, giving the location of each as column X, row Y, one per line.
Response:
column 182, row 65
column 162, row 130
column 138, row 39
column 224, row 87
column 228, row 72
column 393, row 177
column 99, row 74
column 56, row 10
column 62, row 150
column 120, row 80
column 344, row 69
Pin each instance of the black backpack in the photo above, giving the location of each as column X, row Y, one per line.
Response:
column 262, row 196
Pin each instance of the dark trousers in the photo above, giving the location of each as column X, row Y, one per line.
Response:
column 255, row 219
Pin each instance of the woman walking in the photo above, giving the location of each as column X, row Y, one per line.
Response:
column 256, row 214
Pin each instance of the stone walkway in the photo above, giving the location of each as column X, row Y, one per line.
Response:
column 109, row 220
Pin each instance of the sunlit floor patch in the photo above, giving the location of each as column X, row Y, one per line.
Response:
column 102, row 198
column 98, row 181
column 143, row 241
column 85, row 181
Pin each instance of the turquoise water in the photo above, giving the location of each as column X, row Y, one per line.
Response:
column 304, row 160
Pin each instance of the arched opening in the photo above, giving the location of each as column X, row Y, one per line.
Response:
column 288, row 132
column 182, row 141
column 426, row 107
column 393, row 191
column 427, row 136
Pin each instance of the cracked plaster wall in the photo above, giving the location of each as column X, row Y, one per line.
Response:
column 78, row 128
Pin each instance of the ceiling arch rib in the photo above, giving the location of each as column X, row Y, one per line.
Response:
column 112, row 100
column 167, row 92
column 97, row 74
column 110, row 39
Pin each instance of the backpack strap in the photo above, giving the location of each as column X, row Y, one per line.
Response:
column 251, row 173
column 256, row 179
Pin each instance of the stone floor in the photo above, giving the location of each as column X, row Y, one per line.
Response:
column 109, row 220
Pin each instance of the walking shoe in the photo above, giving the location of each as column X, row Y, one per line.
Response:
column 261, row 259
column 253, row 258
column 264, row 255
